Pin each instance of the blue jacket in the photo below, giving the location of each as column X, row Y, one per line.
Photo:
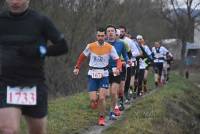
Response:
column 121, row 50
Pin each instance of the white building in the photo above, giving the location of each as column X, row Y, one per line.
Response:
column 174, row 46
column 197, row 35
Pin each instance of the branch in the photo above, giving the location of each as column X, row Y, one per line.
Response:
column 189, row 6
column 195, row 7
column 197, row 15
column 174, row 8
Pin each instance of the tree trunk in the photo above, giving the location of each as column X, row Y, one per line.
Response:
column 182, row 63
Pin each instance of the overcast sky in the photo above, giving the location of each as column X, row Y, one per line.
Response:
column 182, row 3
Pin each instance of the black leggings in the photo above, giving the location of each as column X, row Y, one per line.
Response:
column 127, row 82
column 140, row 79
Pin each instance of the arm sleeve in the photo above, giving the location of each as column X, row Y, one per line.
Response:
column 129, row 54
column 124, row 54
column 126, row 46
column 86, row 51
column 83, row 56
column 148, row 51
column 135, row 50
column 80, row 60
column 114, row 54
column 51, row 33
column 119, row 64
column 165, row 50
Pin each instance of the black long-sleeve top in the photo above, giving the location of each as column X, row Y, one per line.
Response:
column 20, row 37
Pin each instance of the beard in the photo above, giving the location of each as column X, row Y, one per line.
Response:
column 101, row 42
column 122, row 36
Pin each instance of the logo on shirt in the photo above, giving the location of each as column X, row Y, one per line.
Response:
column 98, row 59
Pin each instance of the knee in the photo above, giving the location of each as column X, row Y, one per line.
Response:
column 102, row 98
column 39, row 131
column 9, row 130
column 93, row 100
column 113, row 93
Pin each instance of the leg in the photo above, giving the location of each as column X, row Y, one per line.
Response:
column 102, row 106
column 121, row 90
column 10, row 120
column 127, row 82
column 160, row 70
column 93, row 86
column 114, row 96
column 102, row 101
column 132, row 83
column 93, row 99
column 145, row 80
column 103, row 87
column 140, row 80
column 136, row 79
column 122, row 83
column 114, row 82
column 37, row 125
column 156, row 74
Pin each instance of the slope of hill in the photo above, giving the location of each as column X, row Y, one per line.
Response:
column 174, row 109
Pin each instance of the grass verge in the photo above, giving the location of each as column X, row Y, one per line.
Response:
column 173, row 109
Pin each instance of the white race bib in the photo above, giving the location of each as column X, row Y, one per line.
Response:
column 22, row 96
column 158, row 55
column 97, row 73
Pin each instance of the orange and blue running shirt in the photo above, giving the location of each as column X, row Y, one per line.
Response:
column 100, row 54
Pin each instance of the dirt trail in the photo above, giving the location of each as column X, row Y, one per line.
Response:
column 99, row 129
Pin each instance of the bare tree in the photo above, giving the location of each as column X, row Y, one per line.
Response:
column 182, row 14
column 78, row 20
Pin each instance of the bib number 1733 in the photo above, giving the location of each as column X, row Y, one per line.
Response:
column 21, row 96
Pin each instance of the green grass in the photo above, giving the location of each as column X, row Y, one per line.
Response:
column 69, row 115
column 174, row 109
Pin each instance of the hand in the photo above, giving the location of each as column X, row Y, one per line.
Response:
column 76, row 71
column 116, row 72
column 130, row 62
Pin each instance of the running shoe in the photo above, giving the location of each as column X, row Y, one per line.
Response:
column 101, row 121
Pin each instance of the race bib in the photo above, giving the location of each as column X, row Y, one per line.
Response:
column 158, row 55
column 21, row 96
column 97, row 73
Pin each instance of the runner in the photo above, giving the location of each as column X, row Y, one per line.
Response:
column 159, row 54
column 99, row 53
column 135, row 50
column 144, row 63
column 23, row 46
column 124, row 72
column 166, row 68
column 114, row 79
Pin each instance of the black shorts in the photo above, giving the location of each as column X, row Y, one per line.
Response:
column 133, row 71
column 158, row 67
column 37, row 111
column 123, row 73
column 114, row 79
